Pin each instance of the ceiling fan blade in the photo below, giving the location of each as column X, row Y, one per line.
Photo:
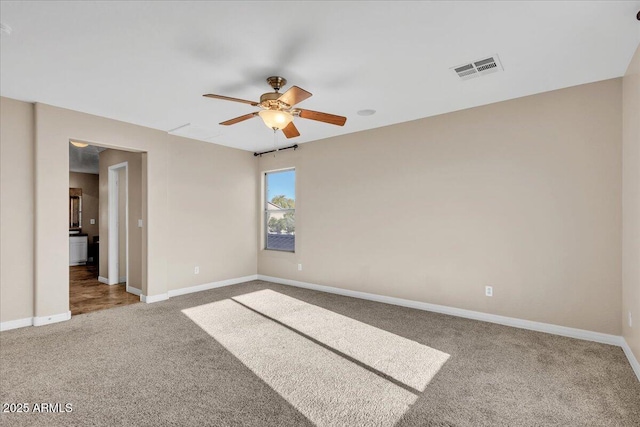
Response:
column 291, row 131
column 239, row 119
column 322, row 117
column 294, row 95
column 227, row 98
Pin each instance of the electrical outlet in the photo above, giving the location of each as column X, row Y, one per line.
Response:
column 630, row 320
column 488, row 291
column 196, row 270
column 92, row 221
column 299, row 267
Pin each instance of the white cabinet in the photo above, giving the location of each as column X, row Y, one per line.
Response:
column 78, row 246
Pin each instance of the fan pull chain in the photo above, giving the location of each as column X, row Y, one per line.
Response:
column 275, row 137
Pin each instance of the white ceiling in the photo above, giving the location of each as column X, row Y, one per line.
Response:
column 85, row 159
column 149, row 63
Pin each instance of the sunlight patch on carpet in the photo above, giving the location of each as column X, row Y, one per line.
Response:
column 406, row 361
column 326, row 388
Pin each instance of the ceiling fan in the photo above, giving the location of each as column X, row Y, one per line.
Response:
column 277, row 108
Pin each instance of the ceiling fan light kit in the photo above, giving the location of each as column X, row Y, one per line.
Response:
column 275, row 119
column 277, row 109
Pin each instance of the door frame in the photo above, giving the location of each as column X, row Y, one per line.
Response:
column 114, row 244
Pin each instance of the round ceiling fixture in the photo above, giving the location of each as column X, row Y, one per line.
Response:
column 367, row 112
column 79, row 144
column 276, row 119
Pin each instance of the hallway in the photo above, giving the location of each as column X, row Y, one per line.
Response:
column 86, row 294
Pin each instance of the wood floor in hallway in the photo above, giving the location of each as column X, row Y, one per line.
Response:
column 87, row 294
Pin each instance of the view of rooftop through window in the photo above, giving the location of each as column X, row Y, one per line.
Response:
column 280, row 203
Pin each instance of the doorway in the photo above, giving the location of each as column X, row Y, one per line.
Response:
column 109, row 222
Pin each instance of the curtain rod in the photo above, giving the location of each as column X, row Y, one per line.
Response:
column 294, row 146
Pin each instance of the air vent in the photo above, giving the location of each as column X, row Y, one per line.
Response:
column 478, row 68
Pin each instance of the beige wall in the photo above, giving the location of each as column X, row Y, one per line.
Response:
column 53, row 127
column 631, row 204
column 134, row 186
column 213, row 214
column 88, row 182
column 523, row 195
column 16, row 209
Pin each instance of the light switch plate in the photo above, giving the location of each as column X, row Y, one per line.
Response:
column 140, row 223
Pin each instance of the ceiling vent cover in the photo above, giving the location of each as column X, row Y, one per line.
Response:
column 478, row 68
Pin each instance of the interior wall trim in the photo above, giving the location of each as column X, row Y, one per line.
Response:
column 54, row 318
column 211, row 285
column 134, row 291
column 15, row 324
column 635, row 365
column 196, row 288
column 459, row 312
column 154, row 298
column 548, row 328
column 38, row 321
column 442, row 309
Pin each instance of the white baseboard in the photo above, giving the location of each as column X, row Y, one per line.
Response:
column 15, row 324
column 104, row 280
column 469, row 314
column 154, row 298
column 134, row 291
column 192, row 289
column 54, row 318
column 453, row 311
column 635, row 365
column 212, row 285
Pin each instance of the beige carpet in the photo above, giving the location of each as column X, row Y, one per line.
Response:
column 151, row 365
column 407, row 361
column 326, row 388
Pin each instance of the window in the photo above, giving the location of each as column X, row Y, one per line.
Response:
column 280, row 210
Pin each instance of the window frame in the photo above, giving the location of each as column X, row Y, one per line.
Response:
column 266, row 210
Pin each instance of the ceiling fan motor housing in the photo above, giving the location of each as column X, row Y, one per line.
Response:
column 270, row 101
